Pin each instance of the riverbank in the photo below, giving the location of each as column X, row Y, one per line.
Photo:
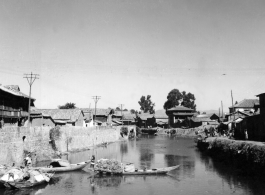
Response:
column 247, row 156
column 178, row 132
column 186, row 132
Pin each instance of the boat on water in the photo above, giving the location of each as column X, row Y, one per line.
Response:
column 17, row 178
column 60, row 165
column 155, row 171
column 149, row 131
column 114, row 167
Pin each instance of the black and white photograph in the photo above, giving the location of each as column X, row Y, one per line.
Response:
column 125, row 97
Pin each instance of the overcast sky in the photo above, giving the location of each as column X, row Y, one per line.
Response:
column 123, row 49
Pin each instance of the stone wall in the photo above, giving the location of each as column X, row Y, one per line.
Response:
column 16, row 141
column 75, row 138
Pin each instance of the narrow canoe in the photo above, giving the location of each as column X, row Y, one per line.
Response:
column 156, row 171
column 72, row 167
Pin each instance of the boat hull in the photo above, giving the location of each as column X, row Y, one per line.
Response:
column 157, row 171
column 72, row 167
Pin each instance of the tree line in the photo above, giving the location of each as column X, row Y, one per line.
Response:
column 174, row 98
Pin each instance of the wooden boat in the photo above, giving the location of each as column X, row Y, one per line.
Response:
column 156, row 171
column 17, row 178
column 59, row 165
column 149, row 131
column 26, row 184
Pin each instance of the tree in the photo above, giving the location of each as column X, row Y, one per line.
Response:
column 118, row 109
column 175, row 98
column 146, row 105
column 236, row 102
column 125, row 109
column 68, row 105
column 188, row 100
column 132, row 111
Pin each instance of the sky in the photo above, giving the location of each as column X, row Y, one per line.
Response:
column 123, row 49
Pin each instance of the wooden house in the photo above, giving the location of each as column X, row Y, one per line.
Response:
column 128, row 119
column 13, row 105
column 161, row 118
column 145, row 120
column 101, row 117
column 244, row 105
column 178, row 113
column 60, row 117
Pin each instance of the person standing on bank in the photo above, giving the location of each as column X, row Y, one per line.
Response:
column 246, row 134
column 92, row 161
column 28, row 161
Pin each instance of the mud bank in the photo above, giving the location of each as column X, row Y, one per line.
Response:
column 247, row 156
column 186, row 132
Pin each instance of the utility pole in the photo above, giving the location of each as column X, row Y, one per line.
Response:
column 222, row 109
column 233, row 104
column 30, row 78
column 121, row 112
column 95, row 98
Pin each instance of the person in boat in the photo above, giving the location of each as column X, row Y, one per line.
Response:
column 28, row 161
column 92, row 161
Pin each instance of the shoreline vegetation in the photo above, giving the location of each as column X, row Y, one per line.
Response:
column 247, row 156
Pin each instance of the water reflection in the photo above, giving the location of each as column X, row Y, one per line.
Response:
column 25, row 191
column 146, row 158
column 124, row 147
column 198, row 173
column 187, row 166
column 106, row 181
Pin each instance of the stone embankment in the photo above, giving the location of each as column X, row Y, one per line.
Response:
column 46, row 142
column 247, row 156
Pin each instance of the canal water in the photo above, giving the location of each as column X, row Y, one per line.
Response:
column 198, row 174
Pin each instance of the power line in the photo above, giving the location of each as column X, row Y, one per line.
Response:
column 30, row 78
column 96, row 98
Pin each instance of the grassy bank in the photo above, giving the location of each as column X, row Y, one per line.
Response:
column 248, row 156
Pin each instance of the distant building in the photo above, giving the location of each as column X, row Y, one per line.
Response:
column 244, row 105
column 178, row 113
column 128, row 119
column 145, row 120
column 61, row 117
column 13, row 105
column 89, row 122
column 101, row 117
column 161, row 118
column 254, row 124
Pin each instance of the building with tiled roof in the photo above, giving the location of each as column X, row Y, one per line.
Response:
column 178, row 113
column 100, row 114
column 74, row 117
column 246, row 104
column 13, row 105
column 161, row 118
